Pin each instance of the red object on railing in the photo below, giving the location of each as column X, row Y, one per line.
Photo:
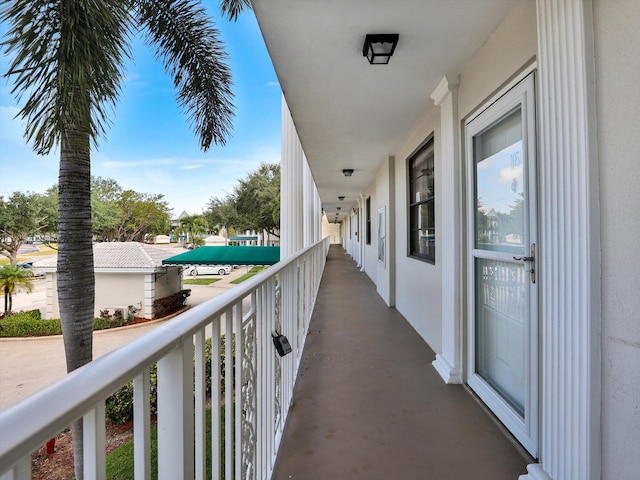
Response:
column 51, row 446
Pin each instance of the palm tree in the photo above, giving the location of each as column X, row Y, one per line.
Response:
column 12, row 278
column 68, row 65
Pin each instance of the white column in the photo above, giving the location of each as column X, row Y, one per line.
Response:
column 291, row 213
column 569, row 251
column 449, row 362
column 362, row 230
column 391, row 231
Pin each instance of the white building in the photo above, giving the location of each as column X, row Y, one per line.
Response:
column 127, row 274
column 528, row 107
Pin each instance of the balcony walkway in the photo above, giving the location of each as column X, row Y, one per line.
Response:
column 369, row 404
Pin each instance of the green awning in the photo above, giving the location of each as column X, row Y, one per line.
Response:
column 234, row 255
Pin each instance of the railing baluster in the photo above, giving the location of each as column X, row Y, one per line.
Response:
column 262, row 332
column 238, row 388
column 228, row 393
column 94, row 443
column 20, row 471
column 200, row 413
column 216, row 464
column 175, row 414
column 142, row 426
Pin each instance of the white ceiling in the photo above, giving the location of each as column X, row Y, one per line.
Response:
column 350, row 114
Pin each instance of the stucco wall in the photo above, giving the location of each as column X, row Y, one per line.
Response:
column 418, row 283
column 507, row 49
column 119, row 290
column 617, row 51
column 168, row 284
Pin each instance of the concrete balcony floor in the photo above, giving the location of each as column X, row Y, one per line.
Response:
column 369, row 404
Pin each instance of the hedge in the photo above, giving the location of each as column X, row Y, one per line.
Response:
column 29, row 324
column 119, row 406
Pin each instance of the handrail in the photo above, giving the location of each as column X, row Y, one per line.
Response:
column 29, row 423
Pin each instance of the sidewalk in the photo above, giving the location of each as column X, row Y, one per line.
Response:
column 28, row 364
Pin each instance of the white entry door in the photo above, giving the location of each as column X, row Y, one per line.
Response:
column 502, row 298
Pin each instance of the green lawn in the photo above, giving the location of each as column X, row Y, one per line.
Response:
column 246, row 276
column 200, row 281
column 119, row 463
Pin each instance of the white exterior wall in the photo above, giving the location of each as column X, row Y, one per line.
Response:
column 121, row 290
column 418, row 289
column 332, row 230
column 301, row 208
column 383, row 273
column 617, row 65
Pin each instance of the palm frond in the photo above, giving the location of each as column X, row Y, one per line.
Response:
column 189, row 46
column 233, row 8
column 67, row 62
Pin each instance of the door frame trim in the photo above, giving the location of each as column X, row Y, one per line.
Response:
column 520, row 91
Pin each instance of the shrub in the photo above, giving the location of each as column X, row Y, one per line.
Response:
column 103, row 323
column 171, row 304
column 119, row 406
column 30, row 324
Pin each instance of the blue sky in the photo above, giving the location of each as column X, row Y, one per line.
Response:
column 150, row 146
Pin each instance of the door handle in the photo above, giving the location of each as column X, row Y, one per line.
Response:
column 531, row 259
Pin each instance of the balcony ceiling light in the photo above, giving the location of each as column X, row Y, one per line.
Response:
column 378, row 48
column 347, row 172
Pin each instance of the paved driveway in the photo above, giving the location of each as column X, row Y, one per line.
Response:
column 28, row 364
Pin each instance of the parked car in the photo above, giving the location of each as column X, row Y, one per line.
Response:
column 29, row 266
column 209, row 270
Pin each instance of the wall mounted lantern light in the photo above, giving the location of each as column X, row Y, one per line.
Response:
column 347, row 172
column 378, row 48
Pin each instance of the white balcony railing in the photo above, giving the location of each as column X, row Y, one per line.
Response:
column 280, row 298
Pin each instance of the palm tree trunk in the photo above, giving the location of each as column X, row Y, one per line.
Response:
column 75, row 272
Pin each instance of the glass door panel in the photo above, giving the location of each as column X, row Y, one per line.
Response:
column 500, row 332
column 500, row 186
column 502, row 295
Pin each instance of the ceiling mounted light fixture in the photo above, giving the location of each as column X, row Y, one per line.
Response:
column 347, row 172
column 378, row 48
column 338, row 208
column 341, row 198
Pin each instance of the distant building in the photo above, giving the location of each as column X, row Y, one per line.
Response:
column 127, row 274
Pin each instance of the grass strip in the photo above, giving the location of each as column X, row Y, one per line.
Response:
column 119, row 463
column 201, row 281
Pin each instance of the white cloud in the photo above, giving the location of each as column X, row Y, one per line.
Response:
column 509, row 174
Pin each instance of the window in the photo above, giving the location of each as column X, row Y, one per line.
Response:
column 368, row 233
column 422, row 223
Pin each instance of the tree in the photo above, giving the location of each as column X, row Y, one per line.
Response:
column 257, row 200
column 194, row 226
column 140, row 214
column 13, row 277
column 221, row 213
column 253, row 205
column 67, row 61
column 22, row 216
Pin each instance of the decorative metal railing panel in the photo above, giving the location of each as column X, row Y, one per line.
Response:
column 249, row 392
